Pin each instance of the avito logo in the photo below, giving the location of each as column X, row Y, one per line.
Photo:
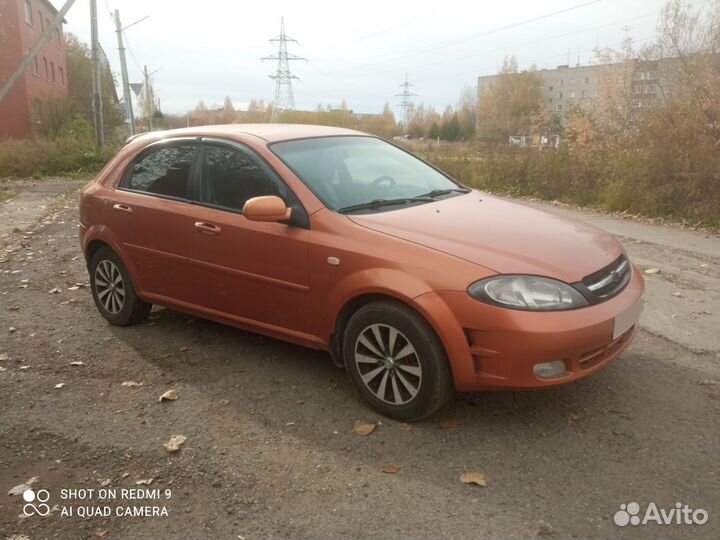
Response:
column 681, row 514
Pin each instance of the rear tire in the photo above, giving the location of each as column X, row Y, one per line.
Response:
column 113, row 290
column 396, row 361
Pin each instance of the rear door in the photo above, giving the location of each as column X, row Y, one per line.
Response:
column 247, row 269
column 153, row 199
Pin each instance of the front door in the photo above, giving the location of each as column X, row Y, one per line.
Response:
column 249, row 270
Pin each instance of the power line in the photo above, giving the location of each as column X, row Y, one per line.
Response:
column 284, row 99
column 427, row 48
column 500, row 49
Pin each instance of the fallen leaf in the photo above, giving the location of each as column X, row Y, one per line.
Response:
column 448, row 423
column 174, row 444
column 170, row 395
column 60, row 385
column 224, row 402
column 3, row 369
column 185, row 349
column 652, row 271
column 73, row 288
column 24, row 367
column 4, row 356
column 54, row 290
column 300, row 402
column 77, row 363
column 361, row 427
column 391, row 469
column 678, row 294
column 106, row 482
column 144, row 481
column 14, row 308
column 473, row 478
column 125, row 474
column 101, row 534
column 405, row 427
column 131, row 383
column 21, row 488
column 12, row 329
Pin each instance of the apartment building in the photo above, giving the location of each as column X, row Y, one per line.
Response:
column 24, row 109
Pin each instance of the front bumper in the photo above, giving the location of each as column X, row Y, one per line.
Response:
column 495, row 348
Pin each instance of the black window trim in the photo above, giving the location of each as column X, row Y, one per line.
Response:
column 299, row 218
column 153, row 147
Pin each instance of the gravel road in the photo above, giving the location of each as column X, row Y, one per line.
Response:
column 270, row 450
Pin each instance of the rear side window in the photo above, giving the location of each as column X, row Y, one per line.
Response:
column 164, row 171
column 231, row 176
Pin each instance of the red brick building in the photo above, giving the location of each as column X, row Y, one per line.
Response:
column 21, row 24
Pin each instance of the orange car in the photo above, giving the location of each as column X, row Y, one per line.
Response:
column 340, row 241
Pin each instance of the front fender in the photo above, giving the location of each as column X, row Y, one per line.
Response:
column 388, row 282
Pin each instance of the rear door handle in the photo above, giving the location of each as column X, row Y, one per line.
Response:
column 207, row 228
column 122, row 208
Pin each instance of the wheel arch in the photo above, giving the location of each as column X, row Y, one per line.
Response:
column 355, row 303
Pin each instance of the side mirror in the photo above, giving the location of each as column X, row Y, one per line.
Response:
column 270, row 208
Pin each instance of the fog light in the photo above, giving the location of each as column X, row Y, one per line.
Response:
column 549, row 370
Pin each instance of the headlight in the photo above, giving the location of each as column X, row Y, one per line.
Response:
column 531, row 293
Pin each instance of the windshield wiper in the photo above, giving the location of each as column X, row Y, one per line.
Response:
column 377, row 203
column 438, row 192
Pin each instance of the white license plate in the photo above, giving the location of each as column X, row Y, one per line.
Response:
column 627, row 319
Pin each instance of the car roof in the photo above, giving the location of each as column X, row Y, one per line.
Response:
column 268, row 132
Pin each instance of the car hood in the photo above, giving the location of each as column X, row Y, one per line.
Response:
column 502, row 236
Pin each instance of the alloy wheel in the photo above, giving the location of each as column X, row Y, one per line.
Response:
column 388, row 364
column 109, row 286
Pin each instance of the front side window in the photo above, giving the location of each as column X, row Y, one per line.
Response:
column 348, row 171
column 164, row 171
column 231, row 176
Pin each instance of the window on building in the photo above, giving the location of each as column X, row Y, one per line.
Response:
column 56, row 36
column 587, row 80
column 558, row 107
column 550, row 89
column 52, row 71
column 47, row 73
column 62, row 76
column 28, row 12
column 583, row 94
column 572, row 94
column 549, row 100
column 559, row 95
column 33, row 64
column 561, row 82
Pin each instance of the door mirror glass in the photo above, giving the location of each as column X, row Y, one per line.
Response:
column 266, row 208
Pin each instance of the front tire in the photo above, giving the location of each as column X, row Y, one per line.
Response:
column 396, row 361
column 113, row 290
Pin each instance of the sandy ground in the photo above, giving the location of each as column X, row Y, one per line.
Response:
column 270, row 449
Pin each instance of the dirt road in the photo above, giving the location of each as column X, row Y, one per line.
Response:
column 270, row 448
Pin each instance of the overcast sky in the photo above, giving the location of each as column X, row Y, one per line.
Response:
column 359, row 51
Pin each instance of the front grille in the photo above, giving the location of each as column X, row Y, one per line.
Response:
column 609, row 281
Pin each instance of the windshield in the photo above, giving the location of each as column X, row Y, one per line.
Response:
column 349, row 172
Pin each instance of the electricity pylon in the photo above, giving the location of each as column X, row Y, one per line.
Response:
column 406, row 104
column 284, row 99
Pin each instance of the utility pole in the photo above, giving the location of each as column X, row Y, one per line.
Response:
column 284, row 99
column 96, row 76
column 39, row 44
column 125, row 82
column 406, row 104
column 149, row 99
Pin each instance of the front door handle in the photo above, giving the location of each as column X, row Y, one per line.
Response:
column 122, row 208
column 207, row 228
